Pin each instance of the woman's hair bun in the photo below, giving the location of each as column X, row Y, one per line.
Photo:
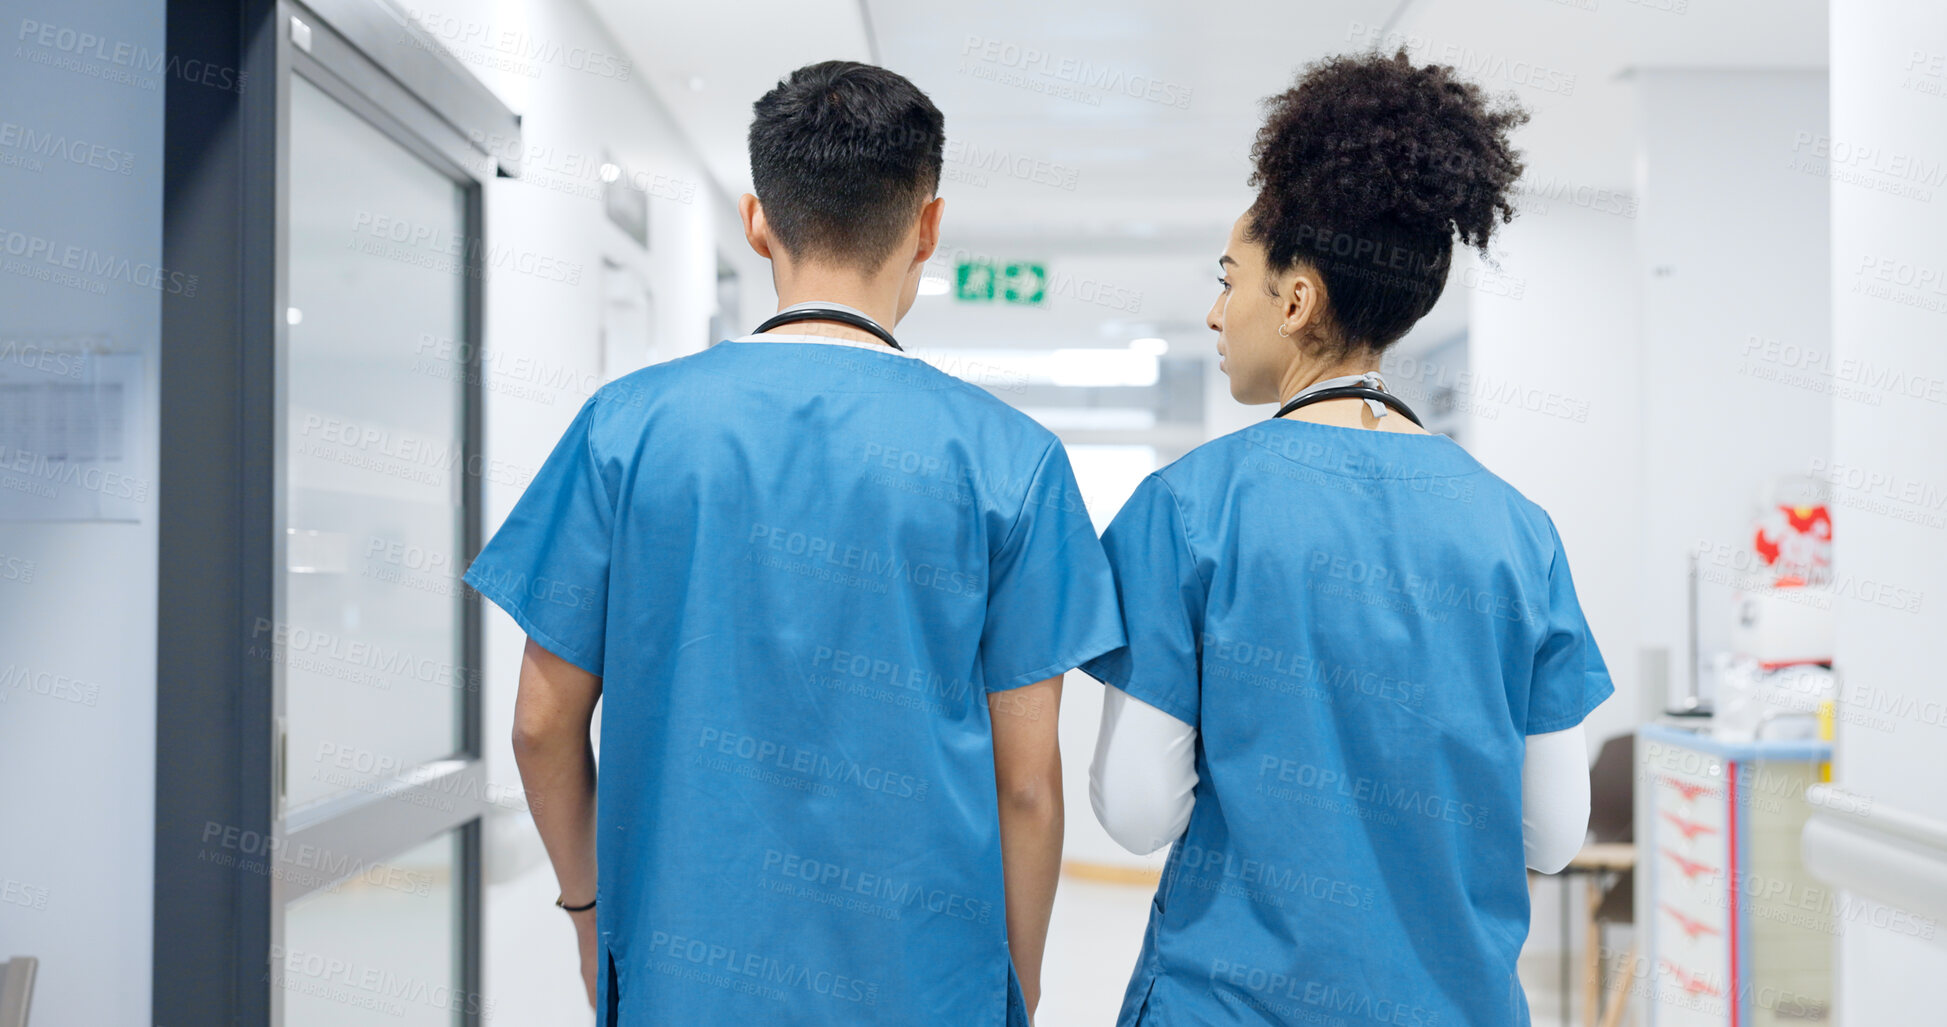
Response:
column 1368, row 139
column 1368, row 169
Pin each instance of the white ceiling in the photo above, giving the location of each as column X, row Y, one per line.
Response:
column 1050, row 157
column 1091, row 160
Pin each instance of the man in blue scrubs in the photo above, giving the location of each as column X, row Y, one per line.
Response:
column 827, row 593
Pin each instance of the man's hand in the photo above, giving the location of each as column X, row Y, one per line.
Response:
column 591, row 951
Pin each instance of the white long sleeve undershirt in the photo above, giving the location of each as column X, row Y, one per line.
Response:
column 1142, row 783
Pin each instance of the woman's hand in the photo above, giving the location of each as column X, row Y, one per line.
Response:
column 589, row 943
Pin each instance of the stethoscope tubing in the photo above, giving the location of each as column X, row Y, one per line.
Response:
column 845, row 317
column 1349, row 392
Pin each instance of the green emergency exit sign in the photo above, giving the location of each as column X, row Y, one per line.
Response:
column 984, row 281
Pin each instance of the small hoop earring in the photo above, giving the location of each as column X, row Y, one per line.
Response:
column 1284, row 331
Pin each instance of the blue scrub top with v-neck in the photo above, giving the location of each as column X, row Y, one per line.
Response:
column 1363, row 626
column 800, row 568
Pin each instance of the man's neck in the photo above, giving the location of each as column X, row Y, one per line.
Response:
column 876, row 298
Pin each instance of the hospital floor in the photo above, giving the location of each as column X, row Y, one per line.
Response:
column 1092, row 945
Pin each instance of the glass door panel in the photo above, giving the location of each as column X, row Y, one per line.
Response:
column 379, row 948
column 374, row 456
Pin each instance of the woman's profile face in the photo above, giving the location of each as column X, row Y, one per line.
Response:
column 1246, row 316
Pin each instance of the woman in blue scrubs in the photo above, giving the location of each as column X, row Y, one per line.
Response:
column 1356, row 666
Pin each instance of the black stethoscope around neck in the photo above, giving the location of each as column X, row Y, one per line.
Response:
column 844, row 317
column 1365, row 392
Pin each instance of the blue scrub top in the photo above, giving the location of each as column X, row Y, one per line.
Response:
column 1362, row 626
column 800, row 568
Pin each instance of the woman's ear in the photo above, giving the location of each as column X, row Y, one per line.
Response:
column 1304, row 301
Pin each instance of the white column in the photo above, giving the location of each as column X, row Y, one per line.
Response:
column 1888, row 152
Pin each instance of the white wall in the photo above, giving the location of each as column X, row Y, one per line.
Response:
column 1733, row 241
column 77, row 600
column 1553, row 402
column 1554, row 399
column 1607, row 376
column 543, row 355
column 1889, row 307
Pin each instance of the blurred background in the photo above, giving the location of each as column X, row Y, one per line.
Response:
column 360, row 261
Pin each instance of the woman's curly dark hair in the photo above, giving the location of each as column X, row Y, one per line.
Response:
column 1366, row 170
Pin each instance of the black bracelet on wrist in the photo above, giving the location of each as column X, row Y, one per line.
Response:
column 574, row 909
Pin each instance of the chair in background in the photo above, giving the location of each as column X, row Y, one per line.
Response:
column 1609, row 862
column 16, row 990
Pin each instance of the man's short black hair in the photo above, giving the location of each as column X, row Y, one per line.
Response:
column 843, row 156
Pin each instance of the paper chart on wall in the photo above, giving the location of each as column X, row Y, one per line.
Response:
column 67, row 445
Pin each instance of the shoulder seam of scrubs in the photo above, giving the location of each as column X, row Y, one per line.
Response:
column 594, row 461
column 1022, row 513
column 1183, row 523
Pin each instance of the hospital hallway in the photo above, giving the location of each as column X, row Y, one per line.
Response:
column 305, row 305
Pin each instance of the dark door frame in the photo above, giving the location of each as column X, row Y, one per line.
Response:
column 218, row 757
